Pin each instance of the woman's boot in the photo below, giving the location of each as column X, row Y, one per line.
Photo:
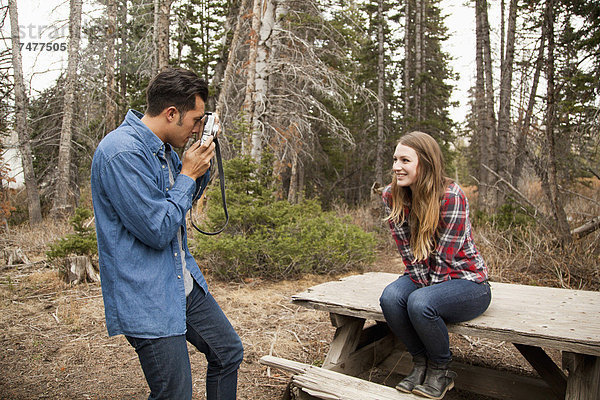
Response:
column 416, row 376
column 438, row 380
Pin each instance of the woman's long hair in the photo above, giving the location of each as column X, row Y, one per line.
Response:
column 424, row 201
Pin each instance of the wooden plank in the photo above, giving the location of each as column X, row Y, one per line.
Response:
column 345, row 339
column 557, row 318
column 546, row 368
column 366, row 357
column 480, row 380
column 584, row 377
column 326, row 384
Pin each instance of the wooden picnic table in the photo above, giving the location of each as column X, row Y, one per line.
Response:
column 533, row 318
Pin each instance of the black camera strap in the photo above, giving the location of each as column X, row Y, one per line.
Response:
column 222, row 183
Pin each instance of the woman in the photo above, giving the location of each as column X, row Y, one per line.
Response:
column 445, row 279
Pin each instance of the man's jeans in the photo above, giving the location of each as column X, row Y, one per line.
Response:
column 166, row 363
column 418, row 316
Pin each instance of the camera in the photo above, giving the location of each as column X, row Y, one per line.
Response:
column 211, row 127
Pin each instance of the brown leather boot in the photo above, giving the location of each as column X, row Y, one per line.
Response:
column 416, row 376
column 438, row 380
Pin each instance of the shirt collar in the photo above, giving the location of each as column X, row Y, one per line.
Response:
column 134, row 119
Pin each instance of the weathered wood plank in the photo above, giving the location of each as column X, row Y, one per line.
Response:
column 584, row 377
column 547, row 369
column 344, row 341
column 326, row 384
column 366, row 357
column 532, row 315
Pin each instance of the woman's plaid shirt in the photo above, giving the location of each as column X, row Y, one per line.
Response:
column 455, row 255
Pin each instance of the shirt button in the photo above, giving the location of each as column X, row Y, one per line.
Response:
column 167, row 189
column 164, row 166
column 175, row 254
column 178, row 276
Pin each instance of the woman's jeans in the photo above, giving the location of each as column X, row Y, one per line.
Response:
column 165, row 361
column 418, row 316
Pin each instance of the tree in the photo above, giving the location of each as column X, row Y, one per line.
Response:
column 380, row 93
column 426, row 71
column 62, row 204
column 111, row 31
column 162, row 14
column 21, row 126
column 486, row 117
column 506, row 76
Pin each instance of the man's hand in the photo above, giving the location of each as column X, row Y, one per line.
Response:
column 196, row 160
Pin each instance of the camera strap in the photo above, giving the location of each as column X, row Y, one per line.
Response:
column 222, row 183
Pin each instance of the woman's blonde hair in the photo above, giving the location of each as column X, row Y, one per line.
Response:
column 424, row 201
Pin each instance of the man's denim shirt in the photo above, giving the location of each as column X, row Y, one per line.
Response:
column 137, row 218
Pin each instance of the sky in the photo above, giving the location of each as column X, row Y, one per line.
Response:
column 45, row 21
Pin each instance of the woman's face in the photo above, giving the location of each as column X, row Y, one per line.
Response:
column 405, row 165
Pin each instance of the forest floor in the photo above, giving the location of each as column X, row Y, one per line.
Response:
column 54, row 344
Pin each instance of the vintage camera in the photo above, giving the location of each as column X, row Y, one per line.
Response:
column 211, row 127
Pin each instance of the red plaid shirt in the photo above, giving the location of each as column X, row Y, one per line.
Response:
column 455, row 255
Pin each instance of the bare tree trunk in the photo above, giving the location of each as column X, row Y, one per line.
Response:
column 418, row 59
column 408, row 65
column 505, row 97
column 123, row 55
column 380, row 95
column 162, row 36
column 62, row 205
column 21, row 126
column 480, row 107
column 293, row 191
column 231, row 59
column 248, row 106
column 110, row 119
column 156, row 4
column 490, row 121
column 261, row 77
column 563, row 230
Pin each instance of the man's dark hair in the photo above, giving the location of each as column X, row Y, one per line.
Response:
column 175, row 87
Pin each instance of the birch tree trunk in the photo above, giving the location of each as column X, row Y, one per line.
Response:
column 21, row 126
column 261, row 77
column 248, row 106
column 506, row 71
column 110, row 119
column 563, row 231
column 380, row 95
column 62, row 205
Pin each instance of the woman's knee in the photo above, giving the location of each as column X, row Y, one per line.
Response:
column 419, row 305
column 395, row 295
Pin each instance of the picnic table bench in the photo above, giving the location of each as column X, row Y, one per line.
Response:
column 533, row 318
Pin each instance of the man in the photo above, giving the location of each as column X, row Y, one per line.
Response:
column 154, row 293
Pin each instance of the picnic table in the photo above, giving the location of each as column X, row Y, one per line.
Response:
column 533, row 318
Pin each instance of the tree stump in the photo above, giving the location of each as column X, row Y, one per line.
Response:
column 14, row 256
column 78, row 269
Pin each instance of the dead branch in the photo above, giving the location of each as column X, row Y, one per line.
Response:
column 587, row 228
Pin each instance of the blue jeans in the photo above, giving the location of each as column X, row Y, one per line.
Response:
column 418, row 316
column 166, row 363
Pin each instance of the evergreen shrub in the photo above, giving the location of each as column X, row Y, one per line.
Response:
column 82, row 242
column 272, row 238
